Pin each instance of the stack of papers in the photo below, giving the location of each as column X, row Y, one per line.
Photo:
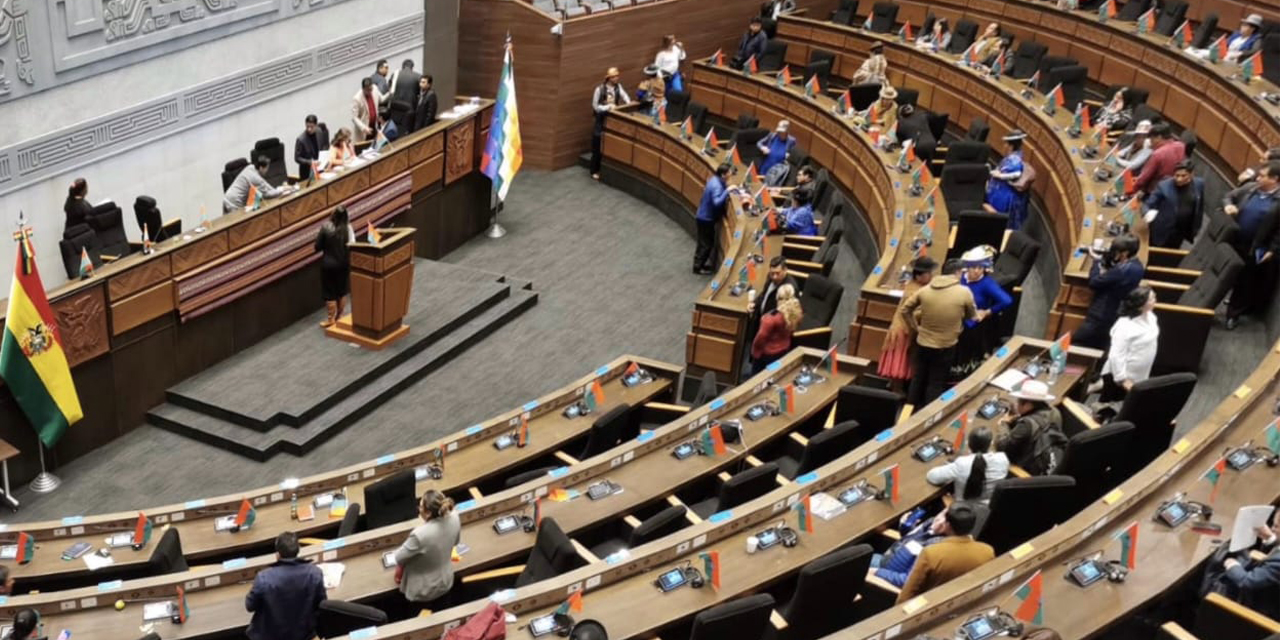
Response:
column 95, row 561
column 332, row 573
column 824, row 506
column 1010, row 379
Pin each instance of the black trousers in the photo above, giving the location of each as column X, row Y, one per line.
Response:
column 597, row 138
column 1253, row 288
column 1092, row 333
column 932, row 367
column 704, row 253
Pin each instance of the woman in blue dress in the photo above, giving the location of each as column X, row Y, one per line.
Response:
column 1002, row 196
column 981, row 335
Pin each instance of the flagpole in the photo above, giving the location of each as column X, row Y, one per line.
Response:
column 495, row 205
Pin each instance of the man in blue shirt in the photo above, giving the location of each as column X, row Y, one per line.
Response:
column 1256, row 208
column 285, row 597
column 1111, row 278
column 751, row 44
column 715, row 198
column 798, row 219
column 775, row 147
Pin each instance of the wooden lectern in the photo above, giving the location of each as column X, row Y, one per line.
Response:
column 381, row 280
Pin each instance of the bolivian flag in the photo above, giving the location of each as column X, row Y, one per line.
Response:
column 32, row 361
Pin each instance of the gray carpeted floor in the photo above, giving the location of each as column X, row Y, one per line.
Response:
column 613, row 278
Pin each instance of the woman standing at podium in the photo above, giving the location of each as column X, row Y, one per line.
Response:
column 335, row 263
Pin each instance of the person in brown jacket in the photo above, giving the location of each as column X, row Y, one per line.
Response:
column 952, row 557
column 936, row 313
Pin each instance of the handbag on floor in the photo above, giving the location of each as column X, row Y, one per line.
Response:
column 489, row 624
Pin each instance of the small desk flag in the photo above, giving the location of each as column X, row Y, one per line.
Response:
column 891, row 483
column 1129, row 546
column 961, row 425
column 1031, row 600
column 246, row 515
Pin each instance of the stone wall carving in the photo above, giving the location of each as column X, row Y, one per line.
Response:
column 30, row 161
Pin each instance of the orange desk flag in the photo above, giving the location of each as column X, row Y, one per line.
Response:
column 255, row 199
column 1031, row 600
column 784, row 76
column 804, row 515
column 961, row 425
column 717, row 58
column 522, row 436
column 711, row 566
column 374, row 236
column 1213, row 475
column 787, row 398
column 734, row 156
column 631, row 369
column 142, row 530
column 831, row 361
column 86, row 265
column 26, row 548
column 891, row 477
column 1129, row 546
column 246, row 515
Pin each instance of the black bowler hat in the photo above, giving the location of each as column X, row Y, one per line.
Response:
column 588, row 630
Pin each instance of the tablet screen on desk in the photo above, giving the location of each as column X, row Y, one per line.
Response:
column 542, row 626
column 928, row 451
column 1086, row 573
column 506, row 524
column 1240, row 459
column 767, row 538
column 1174, row 514
column 852, row 496
column 978, row 629
column 671, row 579
column 503, row 442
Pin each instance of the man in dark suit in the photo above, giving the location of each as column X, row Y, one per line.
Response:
column 424, row 114
column 1256, row 208
column 404, row 89
column 768, row 300
column 307, row 148
column 1111, row 278
column 1175, row 208
column 1254, row 583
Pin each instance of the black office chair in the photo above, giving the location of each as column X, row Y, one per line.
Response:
column 609, row 430
column 743, row 487
column 1049, row 63
column 75, row 240
column 845, row 13
column 232, row 169
column 820, row 68
column 390, row 500
column 1026, row 59
column 1219, row 228
column 818, row 55
column 147, row 214
column 336, row 618
column 937, row 124
column 1072, row 79
column 963, row 36
column 825, row 592
column 873, row 409
column 819, row 450
column 769, row 26
column 167, row 557
column 964, row 185
column 1094, row 458
column 908, row 96
column 862, row 95
column 822, row 191
column 927, row 25
column 1215, row 281
column 819, row 302
column 1205, row 31
column 746, row 140
column 1170, row 16
column 553, row 554
column 659, row 525
column 1151, row 406
column 107, row 221
column 698, row 112
column 677, row 106
column 883, row 16
column 707, row 389
column 967, row 152
column 774, row 56
column 1022, row 508
column 526, row 476
column 1271, row 56
column 978, row 130
column 273, row 149
column 1014, row 263
column 1133, row 9
column 350, row 521
column 977, row 227
column 742, row 619
column 1190, row 140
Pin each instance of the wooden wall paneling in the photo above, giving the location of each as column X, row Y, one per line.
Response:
column 138, row 278
column 98, row 427
column 200, row 251
column 304, row 207
column 143, row 369
column 82, row 325
column 142, row 307
column 460, row 151
column 255, row 229
column 428, row 173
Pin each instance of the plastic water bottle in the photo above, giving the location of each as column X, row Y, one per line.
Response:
column 293, row 507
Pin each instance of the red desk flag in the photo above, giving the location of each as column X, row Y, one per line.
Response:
column 537, row 513
column 830, row 361
column 522, row 434
column 1129, row 546
column 804, row 515
column 891, row 483
column 246, row 515
column 784, row 76
column 1213, row 475
column 632, row 369
column 184, row 609
column 961, row 425
column 86, row 265
column 905, row 32
column 142, row 530
column 26, row 548
column 374, row 236
column 1031, row 600
column 1187, row 34
column 717, row 58
column 813, row 87
column 711, row 143
column 787, row 398
column 711, row 566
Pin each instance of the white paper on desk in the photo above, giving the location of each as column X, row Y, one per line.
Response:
column 332, row 573
column 95, row 561
column 1009, row 379
column 1248, row 519
column 322, row 161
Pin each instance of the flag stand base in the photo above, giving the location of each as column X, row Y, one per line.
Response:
column 495, row 230
column 45, row 482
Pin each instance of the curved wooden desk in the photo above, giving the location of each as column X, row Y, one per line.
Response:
column 614, row 594
column 217, row 592
column 1227, row 115
column 202, row 297
column 1165, row 556
column 469, row 459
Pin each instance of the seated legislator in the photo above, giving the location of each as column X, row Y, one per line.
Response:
column 237, row 195
column 423, row 562
column 775, row 147
column 935, row 39
column 798, row 219
column 954, row 556
column 1133, row 155
column 751, row 44
column 882, row 113
column 424, row 113
column 1032, row 434
column 77, row 207
column 895, row 564
column 875, row 69
column 341, row 151
column 913, row 125
column 1175, row 208
column 1112, row 276
column 307, row 148
column 1255, row 584
column 804, row 182
column 285, row 597
column 1246, row 40
column 975, row 474
column 1166, row 152
column 26, row 626
column 987, row 44
column 1256, row 208
column 364, row 111
column 1117, row 114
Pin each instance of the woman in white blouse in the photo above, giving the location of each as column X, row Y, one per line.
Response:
column 668, row 62
column 974, row 475
column 1133, row 345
